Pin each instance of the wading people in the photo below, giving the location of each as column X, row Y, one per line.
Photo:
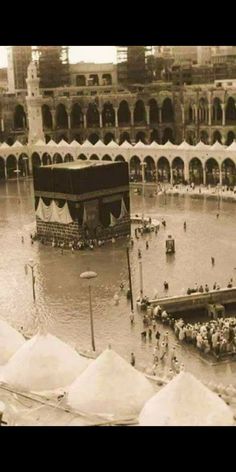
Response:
column 166, row 286
column 214, row 286
column 131, row 318
column 217, row 216
column 166, row 338
column 212, row 261
column 144, row 335
column 147, row 245
column 206, row 288
column 150, row 334
column 158, row 335
column 22, row 239
column 185, row 226
column 162, row 350
column 132, row 361
column 139, row 254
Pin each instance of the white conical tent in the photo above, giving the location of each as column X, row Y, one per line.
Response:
column 185, row 401
column 110, row 386
column 10, row 341
column 44, row 363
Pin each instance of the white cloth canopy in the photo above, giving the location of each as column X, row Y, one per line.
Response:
column 44, row 363
column 53, row 213
column 123, row 210
column 185, row 401
column 110, row 386
column 10, row 341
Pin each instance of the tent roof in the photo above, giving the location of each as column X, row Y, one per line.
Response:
column 140, row 144
column 51, row 143
column 75, row 143
column 185, row 401
column 201, row 145
column 100, row 143
column 43, row 363
column 232, row 146
column 87, row 143
column 110, row 386
column 154, row 144
column 169, row 144
column 184, row 145
column 10, row 341
column 112, row 144
column 5, row 145
column 126, row 145
column 17, row 144
column 63, row 143
column 217, row 146
column 40, row 142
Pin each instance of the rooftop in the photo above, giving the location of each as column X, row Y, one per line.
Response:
column 80, row 164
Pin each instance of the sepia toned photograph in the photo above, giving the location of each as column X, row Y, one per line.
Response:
column 118, row 250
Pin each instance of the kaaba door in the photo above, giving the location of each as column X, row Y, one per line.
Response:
column 91, row 216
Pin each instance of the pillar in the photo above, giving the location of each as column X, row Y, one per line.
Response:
column 195, row 114
column 147, row 108
column 100, row 119
column 171, row 175
column 132, row 115
column 69, row 120
column 204, row 175
column 220, row 175
column 223, row 113
column 160, row 115
column 116, row 117
column 209, row 114
column 186, row 170
column 53, row 119
column 30, row 164
column 183, row 114
column 85, row 119
column 5, row 169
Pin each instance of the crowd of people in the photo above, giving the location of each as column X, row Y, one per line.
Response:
column 200, row 289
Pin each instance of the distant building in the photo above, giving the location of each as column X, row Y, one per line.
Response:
column 18, row 58
column 204, row 54
column 3, row 80
column 89, row 74
column 53, row 65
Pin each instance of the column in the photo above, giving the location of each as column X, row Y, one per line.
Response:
column 85, row 118
column 5, row 170
column 196, row 114
column 204, row 175
column 53, row 119
column 160, row 115
column 30, row 165
column 171, row 175
column 209, row 114
column 116, row 117
column 220, row 175
column 132, row 115
column 223, row 113
column 183, row 114
column 69, row 120
column 100, row 119
column 147, row 108
column 186, row 170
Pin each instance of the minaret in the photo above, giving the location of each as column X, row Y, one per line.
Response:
column 34, row 102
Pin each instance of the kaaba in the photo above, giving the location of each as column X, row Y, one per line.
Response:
column 82, row 200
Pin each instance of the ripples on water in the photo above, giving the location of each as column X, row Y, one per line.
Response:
column 62, row 302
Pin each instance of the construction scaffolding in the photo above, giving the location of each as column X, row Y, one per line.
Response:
column 132, row 64
column 53, row 65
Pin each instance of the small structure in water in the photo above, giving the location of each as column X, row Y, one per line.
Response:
column 170, row 245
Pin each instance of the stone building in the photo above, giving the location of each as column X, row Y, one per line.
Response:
column 153, row 112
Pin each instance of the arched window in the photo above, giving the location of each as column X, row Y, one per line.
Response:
column 212, row 172
column 216, row 111
column 124, row 137
column 228, row 172
column 61, row 117
column 93, row 138
column 108, row 115
column 167, row 111
column 124, row 115
column 19, row 117
column 163, row 170
column 139, row 113
column 178, row 170
column 154, row 136
column 135, row 169
column 230, row 111
column 76, row 116
column 204, row 136
column 150, row 169
column 230, row 138
column 195, row 171
column 92, row 116
column 140, row 136
column 167, row 135
column 47, row 117
column 153, row 111
column 217, row 137
column 108, row 138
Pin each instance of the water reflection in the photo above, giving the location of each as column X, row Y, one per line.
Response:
column 61, row 298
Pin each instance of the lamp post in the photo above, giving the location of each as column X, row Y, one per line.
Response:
column 88, row 275
column 141, row 278
column 31, row 264
column 25, row 159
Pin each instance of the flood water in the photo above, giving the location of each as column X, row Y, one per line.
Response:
column 62, row 297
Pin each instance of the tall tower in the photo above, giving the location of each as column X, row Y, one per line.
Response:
column 34, row 105
column 19, row 58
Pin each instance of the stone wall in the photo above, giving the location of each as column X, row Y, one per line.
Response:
column 73, row 231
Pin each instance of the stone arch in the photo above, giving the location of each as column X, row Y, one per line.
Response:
column 2, row 168
column 139, row 113
column 163, row 169
column 195, row 171
column 92, row 116
column 135, row 169
column 228, row 172
column 76, row 116
column 80, row 80
column 216, row 111
column 178, row 170
column 124, row 115
column 107, row 79
column 120, row 158
column 190, row 137
column 10, row 141
column 167, row 135
column 47, row 138
column 77, row 137
column 93, row 138
column 82, row 157
column 212, row 171
column 106, row 158
column 153, row 111
column 19, row 117
column 61, row 117
column 46, row 159
column 217, row 137
column 167, row 111
column 140, row 136
column 204, row 136
column 124, row 137
column 230, row 111
column 108, row 138
column 62, row 137
column 94, row 157
column 57, row 158
column 190, row 114
column 68, row 157
column 230, row 138
column 23, row 165
column 36, row 161
column 108, row 115
column 154, row 136
column 202, row 110
column 11, row 165
column 46, row 117
column 150, row 169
